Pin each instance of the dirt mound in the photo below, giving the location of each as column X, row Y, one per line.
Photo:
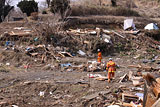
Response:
column 153, row 34
column 106, row 22
column 13, row 57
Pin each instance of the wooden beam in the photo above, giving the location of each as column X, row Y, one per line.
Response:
column 157, row 103
column 150, row 100
column 129, row 104
column 156, row 91
column 126, row 97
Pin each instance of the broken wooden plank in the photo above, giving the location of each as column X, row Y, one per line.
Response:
column 2, row 102
column 156, row 91
column 66, row 54
column 134, row 66
column 118, row 34
column 130, row 76
column 158, row 80
column 72, row 82
column 86, row 42
column 154, row 85
column 34, row 54
column 157, row 103
column 150, row 100
column 139, row 66
column 124, row 78
column 132, row 32
column 69, row 54
column 40, row 46
column 61, row 54
column 137, row 89
column 129, row 105
column 20, row 34
column 139, row 84
column 129, row 97
column 101, row 78
column 137, row 81
column 147, row 68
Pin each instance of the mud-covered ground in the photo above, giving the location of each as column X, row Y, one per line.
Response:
column 37, row 87
column 48, row 84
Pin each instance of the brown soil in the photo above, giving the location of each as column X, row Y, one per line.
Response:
column 22, row 87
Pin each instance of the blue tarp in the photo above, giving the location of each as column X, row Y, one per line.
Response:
column 66, row 65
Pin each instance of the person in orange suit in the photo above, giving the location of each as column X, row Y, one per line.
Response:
column 111, row 68
column 99, row 56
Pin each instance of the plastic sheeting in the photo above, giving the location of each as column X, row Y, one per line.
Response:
column 128, row 23
column 151, row 26
column 81, row 53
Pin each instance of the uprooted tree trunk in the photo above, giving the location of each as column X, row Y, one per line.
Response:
column 4, row 9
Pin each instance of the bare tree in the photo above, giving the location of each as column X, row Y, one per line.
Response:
column 8, row 2
column 48, row 3
column 48, row 27
column 100, row 2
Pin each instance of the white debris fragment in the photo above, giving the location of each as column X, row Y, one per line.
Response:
column 41, row 94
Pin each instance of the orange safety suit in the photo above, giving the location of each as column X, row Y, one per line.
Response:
column 111, row 67
column 99, row 56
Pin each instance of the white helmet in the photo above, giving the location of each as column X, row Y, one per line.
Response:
column 98, row 50
column 110, row 59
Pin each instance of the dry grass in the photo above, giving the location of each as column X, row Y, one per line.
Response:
column 80, row 10
column 145, row 8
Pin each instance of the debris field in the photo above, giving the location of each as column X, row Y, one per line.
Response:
column 44, row 67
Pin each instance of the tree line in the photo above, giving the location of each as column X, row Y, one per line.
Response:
column 30, row 6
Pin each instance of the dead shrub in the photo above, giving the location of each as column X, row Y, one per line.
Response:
column 51, row 31
column 121, row 11
column 48, row 28
column 153, row 34
column 99, row 44
column 34, row 16
column 102, row 10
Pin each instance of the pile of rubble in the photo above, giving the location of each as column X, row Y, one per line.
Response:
column 65, row 49
column 139, row 89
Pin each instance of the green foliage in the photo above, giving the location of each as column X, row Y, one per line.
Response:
column 60, row 6
column 28, row 6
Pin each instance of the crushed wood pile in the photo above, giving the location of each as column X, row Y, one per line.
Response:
column 143, row 92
